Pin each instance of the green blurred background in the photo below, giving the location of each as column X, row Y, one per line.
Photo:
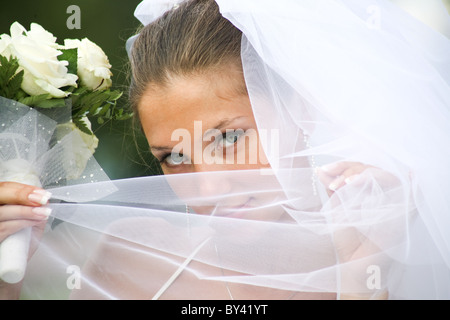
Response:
column 108, row 23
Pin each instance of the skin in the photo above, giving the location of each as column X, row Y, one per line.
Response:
column 213, row 98
column 18, row 211
column 214, row 101
column 217, row 103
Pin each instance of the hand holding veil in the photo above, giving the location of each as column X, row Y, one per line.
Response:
column 334, row 88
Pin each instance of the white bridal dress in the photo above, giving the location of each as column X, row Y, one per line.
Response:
column 329, row 81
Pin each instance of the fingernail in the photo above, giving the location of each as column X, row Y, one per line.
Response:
column 42, row 212
column 328, row 167
column 351, row 178
column 336, row 183
column 333, row 186
column 40, row 196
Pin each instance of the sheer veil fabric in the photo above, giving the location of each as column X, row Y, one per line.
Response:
column 329, row 82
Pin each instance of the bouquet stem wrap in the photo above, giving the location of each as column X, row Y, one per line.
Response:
column 14, row 249
column 13, row 256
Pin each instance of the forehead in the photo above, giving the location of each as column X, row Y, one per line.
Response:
column 209, row 99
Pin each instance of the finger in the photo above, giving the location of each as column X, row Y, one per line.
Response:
column 21, row 194
column 383, row 178
column 347, row 177
column 337, row 168
column 352, row 172
column 346, row 168
column 15, row 212
column 37, row 233
column 325, row 178
column 342, row 172
column 337, row 183
column 10, row 227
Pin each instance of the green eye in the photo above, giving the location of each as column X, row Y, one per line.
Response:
column 174, row 159
column 230, row 138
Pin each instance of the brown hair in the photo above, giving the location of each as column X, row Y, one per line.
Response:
column 188, row 40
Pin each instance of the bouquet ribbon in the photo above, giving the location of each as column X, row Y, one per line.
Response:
column 32, row 153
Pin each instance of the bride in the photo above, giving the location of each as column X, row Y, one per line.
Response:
column 304, row 151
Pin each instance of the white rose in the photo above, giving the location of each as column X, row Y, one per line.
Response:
column 93, row 64
column 81, row 147
column 37, row 52
column 5, row 42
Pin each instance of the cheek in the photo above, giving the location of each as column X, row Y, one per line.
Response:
column 259, row 150
column 263, row 160
column 250, row 153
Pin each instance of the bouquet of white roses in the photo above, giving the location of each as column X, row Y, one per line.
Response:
column 38, row 72
column 49, row 94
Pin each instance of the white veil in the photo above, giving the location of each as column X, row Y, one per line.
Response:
column 332, row 81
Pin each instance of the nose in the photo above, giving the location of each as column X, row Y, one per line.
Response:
column 211, row 181
column 210, row 185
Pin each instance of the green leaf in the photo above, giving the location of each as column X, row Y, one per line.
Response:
column 16, row 82
column 52, row 103
column 108, row 114
column 32, row 101
column 21, row 95
column 115, row 95
column 10, row 79
column 95, row 108
column 71, row 56
column 82, row 126
column 103, row 110
column 98, row 105
column 80, row 90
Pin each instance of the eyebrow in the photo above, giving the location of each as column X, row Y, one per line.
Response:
column 219, row 126
column 226, row 122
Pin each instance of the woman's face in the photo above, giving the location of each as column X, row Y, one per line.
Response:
column 201, row 123
column 205, row 123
